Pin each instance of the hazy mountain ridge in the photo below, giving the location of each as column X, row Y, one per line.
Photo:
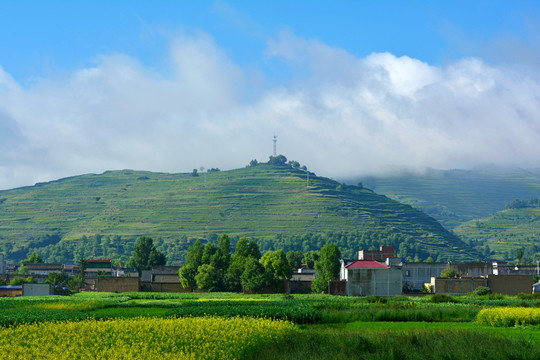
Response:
column 454, row 197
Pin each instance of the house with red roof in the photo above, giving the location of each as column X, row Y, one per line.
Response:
column 371, row 278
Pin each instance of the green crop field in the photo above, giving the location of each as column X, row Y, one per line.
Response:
column 271, row 204
column 238, row 326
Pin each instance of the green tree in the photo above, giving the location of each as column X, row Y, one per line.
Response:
column 278, row 160
column 224, row 246
column 253, row 250
column 254, row 277
column 310, row 258
column 34, row 258
column 206, row 278
column 55, row 278
column 232, row 279
column 449, row 273
column 327, row 267
column 75, row 283
column 242, row 247
column 82, row 266
column 18, row 280
column 187, row 275
column 208, row 252
column 194, row 255
column 23, row 270
column 145, row 255
column 519, row 255
column 295, row 259
column 277, row 266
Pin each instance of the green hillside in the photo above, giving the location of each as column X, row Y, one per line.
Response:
column 457, row 196
column 89, row 215
column 506, row 231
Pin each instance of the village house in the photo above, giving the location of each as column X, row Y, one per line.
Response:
column 44, row 269
column 301, row 279
column 380, row 255
column 370, row 278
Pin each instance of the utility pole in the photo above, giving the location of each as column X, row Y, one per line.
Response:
column 202, row 169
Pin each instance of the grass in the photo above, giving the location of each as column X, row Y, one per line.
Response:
column 505, row 231
column 343, row 327
column 389, row 343
column 258, row 202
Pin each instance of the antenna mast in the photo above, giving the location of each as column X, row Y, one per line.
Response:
column 275, row 142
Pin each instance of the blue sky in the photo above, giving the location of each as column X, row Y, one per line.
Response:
column 43, row 37
column 92, row 86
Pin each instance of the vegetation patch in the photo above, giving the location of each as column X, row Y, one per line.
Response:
column 509, row 316
column 143, row 338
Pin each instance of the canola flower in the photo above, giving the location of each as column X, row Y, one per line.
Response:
column 509, row 316
column 142, row 338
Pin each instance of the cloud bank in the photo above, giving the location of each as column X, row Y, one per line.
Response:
column 341, row 115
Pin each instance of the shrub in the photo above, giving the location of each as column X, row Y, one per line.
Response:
column 481, row 290
column 449, row 273
column 443, row 298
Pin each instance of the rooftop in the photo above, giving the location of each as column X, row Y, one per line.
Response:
column 366, row 264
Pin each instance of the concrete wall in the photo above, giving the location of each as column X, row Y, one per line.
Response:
column 299, row 287
column 37, row 290
column 117, row 284
column 163, row 287
column 510, row 284
column 2, row 264
column 374, row 282
column 338, row 287
column 456, row 286
column 417, row 274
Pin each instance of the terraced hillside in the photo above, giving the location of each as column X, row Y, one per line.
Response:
column 457, row 196
column 504, row 232
column 271, row 204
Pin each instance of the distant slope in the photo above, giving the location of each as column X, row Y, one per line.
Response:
column 263, row 202
column 456, row 196
column 506, row 231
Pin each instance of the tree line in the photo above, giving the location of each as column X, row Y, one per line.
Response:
column 216, row 268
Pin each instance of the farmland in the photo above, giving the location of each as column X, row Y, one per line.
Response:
column 237, row 326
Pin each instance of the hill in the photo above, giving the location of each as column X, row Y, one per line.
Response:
column 501, row 235
column 102, row 215
column 457, row 196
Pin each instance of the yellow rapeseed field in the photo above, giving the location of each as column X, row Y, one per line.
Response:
column 142, row 338
column 509, row 316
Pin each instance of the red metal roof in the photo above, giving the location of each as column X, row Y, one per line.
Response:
column 366, row 264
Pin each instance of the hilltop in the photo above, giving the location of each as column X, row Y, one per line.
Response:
column 101, row 215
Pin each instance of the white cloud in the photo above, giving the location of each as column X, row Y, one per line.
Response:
column 341, row 116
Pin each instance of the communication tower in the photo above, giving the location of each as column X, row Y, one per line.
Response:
column 275, row 142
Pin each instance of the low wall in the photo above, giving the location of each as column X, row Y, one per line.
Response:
column 456, row 286
column 337, row 287
column 510, row 284
column 37, row 290
column 163, row 287
column 117, row 284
